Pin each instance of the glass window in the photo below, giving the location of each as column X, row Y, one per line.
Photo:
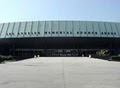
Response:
column 67, row 32
column 84, row 32
column 81, row 32
column 112, row 33
column 88, row 32
column 105, row 33
column 95, row 32
column 70, row 32
column 49, row 32
column 56, row 32
column 101, row 32
column 77, row 32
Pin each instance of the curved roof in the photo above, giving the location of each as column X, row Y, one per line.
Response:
column 59, row 29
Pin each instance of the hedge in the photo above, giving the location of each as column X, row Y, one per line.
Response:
column 115, row 58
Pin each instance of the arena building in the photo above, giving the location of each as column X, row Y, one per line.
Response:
column 58, row 38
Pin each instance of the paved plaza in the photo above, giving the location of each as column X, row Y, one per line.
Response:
column 60, row 72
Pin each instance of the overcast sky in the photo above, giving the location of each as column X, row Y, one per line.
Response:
column 36, row 10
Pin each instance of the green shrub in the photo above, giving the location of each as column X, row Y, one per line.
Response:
column 118, row 54
column 116, row 58
column 103, row 52
column 5, row 58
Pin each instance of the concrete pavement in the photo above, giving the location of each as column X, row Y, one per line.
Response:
column 60, row 72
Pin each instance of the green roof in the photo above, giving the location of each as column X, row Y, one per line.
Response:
column 59, row 29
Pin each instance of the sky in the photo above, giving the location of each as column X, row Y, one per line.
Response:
column 38, row 10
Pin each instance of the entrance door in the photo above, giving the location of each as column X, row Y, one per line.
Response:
column 62, row 52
